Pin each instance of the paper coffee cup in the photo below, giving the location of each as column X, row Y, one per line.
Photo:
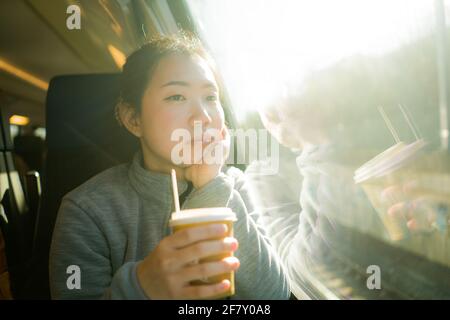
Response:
column 383, row 172
column 203, row 216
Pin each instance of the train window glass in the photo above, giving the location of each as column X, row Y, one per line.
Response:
column 355, row 93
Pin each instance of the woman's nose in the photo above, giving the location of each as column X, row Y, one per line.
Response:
column 200, row 113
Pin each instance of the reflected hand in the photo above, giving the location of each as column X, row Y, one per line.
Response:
column 421, row 212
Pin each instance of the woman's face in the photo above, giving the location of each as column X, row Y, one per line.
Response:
column 182, row 92
column 295, row 125
column 284, row 130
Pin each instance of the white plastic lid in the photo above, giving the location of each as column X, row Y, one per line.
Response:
column 392, row 161
column 407, row 154
column 202, row 215
column 378, row 158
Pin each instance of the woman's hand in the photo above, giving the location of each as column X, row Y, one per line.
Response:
column 414, row 206
column 166, row 272
column 214, row 157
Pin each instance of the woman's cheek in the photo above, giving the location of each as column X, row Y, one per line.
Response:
column 158, row 135
column 219, row 118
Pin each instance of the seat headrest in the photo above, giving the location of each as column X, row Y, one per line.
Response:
column 80, row 114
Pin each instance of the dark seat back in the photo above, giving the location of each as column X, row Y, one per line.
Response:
column 83, row 138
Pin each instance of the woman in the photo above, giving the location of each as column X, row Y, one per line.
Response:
column 115, row 228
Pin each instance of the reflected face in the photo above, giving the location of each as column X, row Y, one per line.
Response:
column 283, row 129
column 182, row 92
column 296, row 124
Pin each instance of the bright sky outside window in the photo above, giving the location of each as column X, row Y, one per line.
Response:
column 262, row 44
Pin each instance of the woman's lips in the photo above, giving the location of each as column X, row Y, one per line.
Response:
column 204, row 142
column 206, row 138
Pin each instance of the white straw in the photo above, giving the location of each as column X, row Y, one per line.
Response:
column 389, row 124
column 175, row 191
column 410, row 121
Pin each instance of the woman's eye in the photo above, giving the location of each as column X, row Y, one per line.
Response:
column 211, row 98
column 176, row 97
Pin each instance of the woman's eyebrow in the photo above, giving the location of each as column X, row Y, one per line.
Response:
column 207, row 84
column 211, row 85
column 175, row 83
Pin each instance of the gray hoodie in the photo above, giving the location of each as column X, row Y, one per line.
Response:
column 114, row 220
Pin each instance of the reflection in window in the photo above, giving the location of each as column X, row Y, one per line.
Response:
column 351, row 91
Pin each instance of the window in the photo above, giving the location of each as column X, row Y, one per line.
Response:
column 338, row 83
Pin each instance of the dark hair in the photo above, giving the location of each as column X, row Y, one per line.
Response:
column 139, row 66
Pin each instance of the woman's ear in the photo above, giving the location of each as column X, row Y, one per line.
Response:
column 129, row 118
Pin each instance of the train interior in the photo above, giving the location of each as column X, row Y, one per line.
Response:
column 375, row 77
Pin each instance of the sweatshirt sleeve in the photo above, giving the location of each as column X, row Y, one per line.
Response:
column 80, row 267
column 260, row 275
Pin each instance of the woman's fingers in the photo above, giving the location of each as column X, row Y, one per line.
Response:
column 188, row 236
column 206, row 291
column 226, row 143
column 218, row 150
column 399, row 210
column 209, row 269
column 216, row 153
column 392, row 195
column 412, row 225
column 418, row 214
column 205, row 249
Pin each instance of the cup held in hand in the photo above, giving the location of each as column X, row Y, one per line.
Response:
column 203, row 216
